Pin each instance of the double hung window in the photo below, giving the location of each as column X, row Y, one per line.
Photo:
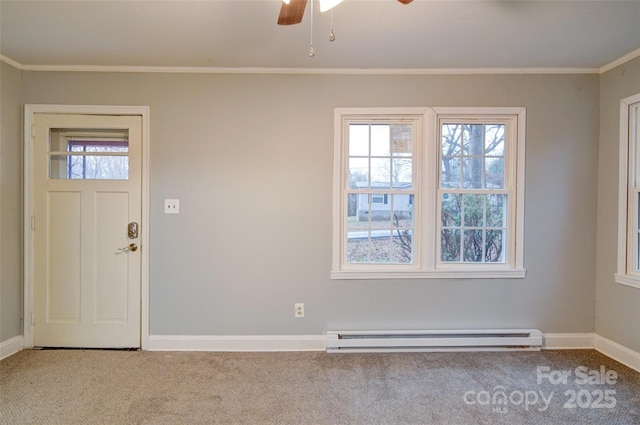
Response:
column 428, row 192
column 628, row 272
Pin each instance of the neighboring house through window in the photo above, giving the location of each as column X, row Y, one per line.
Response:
column 428, row 192
column 628, row 272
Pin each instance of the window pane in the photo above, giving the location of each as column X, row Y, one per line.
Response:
column 358, row 233
column 402, row 173
column 352, row 206
column 401, row 140
column 473, row 173
column 358, row 227
column 403, row 210
column 472, row 249
column 381, row 231
column 473, row 139
column 380, row 172
column 479, row 214
column 381, row 247
column 493, row 246
column 358, row 140
column 473, row 210
column 496, row 210
column 451, row 209
column 401, row 248
column 494, row 173
column 358, row 250
column 451, row 139
column 89, row 167
column 450, row 245
column 450, row 172
column 380, row 140
column 358, row 173
column 494, row 139
column 88, row 140
column 376, row 249
column 380, row 210
column 402, row 220
column 97, row 146
column 362, row 207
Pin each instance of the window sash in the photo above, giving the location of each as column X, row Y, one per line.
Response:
column 509, row 186
column 386, row 193
column 632, row 231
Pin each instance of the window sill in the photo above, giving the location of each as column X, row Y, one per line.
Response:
column 628, row 280
column 505, row 273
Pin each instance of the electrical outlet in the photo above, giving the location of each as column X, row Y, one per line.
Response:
column 172, row 206
column 298, row 310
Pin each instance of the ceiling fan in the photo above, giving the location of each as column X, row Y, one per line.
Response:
column 291, row 11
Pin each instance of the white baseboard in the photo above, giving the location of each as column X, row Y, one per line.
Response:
column 11, row 346
column 551, row 341
column 567, row 341
column 618, row 352
column 308, row 342
column 237, row 343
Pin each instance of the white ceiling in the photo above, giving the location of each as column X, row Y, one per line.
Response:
column 383, row 34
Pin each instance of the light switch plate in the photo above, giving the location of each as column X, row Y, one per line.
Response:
column 172, row 206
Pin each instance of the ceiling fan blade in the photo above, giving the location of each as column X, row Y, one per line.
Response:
column 405, row 1
column 292, row 13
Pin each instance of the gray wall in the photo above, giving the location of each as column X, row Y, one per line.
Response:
column 617, row 306
column 10, row 202
column 250, row 158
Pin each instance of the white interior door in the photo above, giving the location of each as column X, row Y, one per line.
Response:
column 87, row 268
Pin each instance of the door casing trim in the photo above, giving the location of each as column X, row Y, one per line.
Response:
column 29, row 111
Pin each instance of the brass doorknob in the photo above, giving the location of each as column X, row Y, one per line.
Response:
column 131, row 247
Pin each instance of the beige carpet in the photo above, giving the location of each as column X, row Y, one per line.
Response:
column 119, row 387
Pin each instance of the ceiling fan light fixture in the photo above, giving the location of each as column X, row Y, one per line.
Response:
column 328, row 4
column 286, row 1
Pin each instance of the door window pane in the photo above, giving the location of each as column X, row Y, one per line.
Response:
column 89, row 167
column 88, row 154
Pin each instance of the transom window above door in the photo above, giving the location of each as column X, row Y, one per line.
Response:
column 89, row 155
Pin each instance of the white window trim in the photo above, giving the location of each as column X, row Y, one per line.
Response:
column 627, row 211
column 425, row 264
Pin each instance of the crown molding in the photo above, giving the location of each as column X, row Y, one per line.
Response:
column 11, row 62
column 317, row 71
column 626, row 58
column 301, row 71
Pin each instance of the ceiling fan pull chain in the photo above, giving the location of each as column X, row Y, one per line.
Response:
column 332, row 36
column 312, row 51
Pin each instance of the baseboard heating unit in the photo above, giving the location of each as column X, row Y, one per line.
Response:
column 434, row 340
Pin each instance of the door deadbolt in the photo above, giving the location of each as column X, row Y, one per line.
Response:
column 132, row 230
